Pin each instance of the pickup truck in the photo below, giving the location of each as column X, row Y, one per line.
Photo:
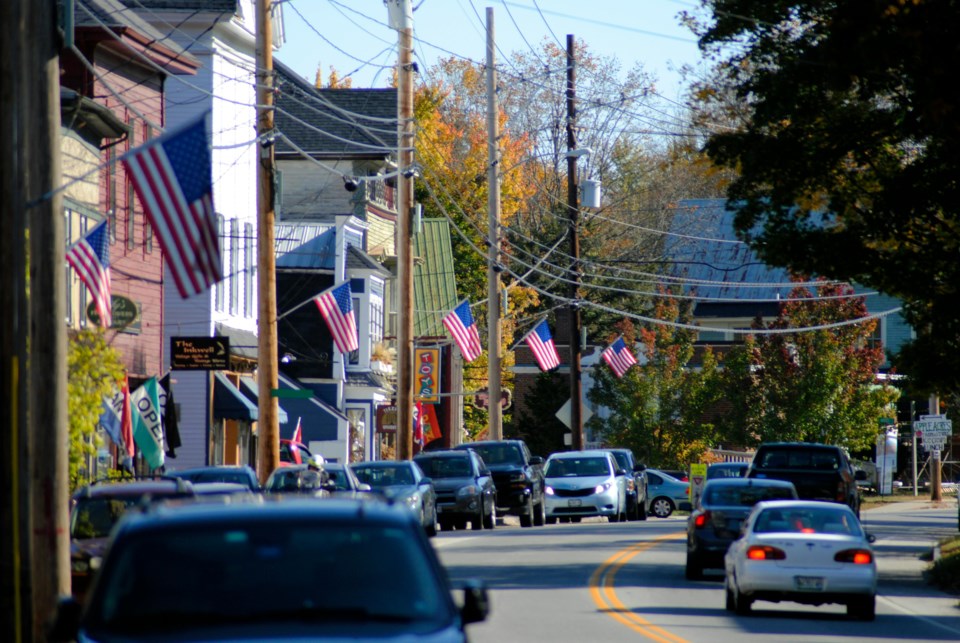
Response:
column 518, row 476
column 818, row 471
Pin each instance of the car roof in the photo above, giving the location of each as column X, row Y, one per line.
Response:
column 212, row 467
column 803, row 504
column 819, row 445
column 443, row 453
column 665, row 474
column 135, row 488
column 748, row 482
column 586, row 453
column 381, row 464
column 728, row 465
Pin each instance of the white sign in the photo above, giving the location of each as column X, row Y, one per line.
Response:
column 933, row 431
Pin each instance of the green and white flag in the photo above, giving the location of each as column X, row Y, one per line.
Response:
column 147, row 423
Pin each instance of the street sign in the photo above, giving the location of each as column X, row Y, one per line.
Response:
column 200, row 353
column 698, row 478
column 933, row 431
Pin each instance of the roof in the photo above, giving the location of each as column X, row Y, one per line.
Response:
column 586, row 453
column 434, row 281
column 243, row 343
column 218, row 6
column 367, row 378
column 334, row 123
column 118, row 15
column 306, row 246
column 357, row 259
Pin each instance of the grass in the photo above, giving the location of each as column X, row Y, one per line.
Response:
column 945, row 571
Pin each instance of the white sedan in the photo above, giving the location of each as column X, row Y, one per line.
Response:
column 802, row 551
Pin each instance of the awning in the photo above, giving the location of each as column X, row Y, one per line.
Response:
column 229, row 403
column 248, row 386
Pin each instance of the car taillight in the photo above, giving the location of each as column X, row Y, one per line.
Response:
column 701, row 520
column 765, row 552
column 855, row 556
column 841, row 492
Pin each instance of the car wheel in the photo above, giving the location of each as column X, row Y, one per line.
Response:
column 539, row 518
column 693, row 570
column 476, row 523
column 613, row 517
column 642, row 510
column 742, row 603
column 431, row 528
column 731, row 604
column 460, row 524
column 575, row 518
column 551, row 520
column 526, row 518
column 445, row 525
column 661, row 507
column 862, row 608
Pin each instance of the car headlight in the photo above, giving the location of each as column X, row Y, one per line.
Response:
column 630, row 484
column 600, row 488
column 413, row 499
column 80, row 566
column 467, row 492
column 548, row 490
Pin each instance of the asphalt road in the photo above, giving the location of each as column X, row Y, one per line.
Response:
column 610, row 582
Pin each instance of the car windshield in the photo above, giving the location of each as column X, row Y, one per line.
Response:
column 494, row 454
column 340, row 478
column 622, row 460
column 807, row 520
column 380, row 477
column 567, row 467
column 446, row 467
column 293, row 480
column 95, row 517
column 743, row 495
column 293, row 571
column 798, row 458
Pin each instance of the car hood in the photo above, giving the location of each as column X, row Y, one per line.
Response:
column 577, row 482
column 505, row 468
column 396, row 491
column 452, row 484
column 88, row 547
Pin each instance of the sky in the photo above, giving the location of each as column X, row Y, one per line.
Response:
column 353, row 37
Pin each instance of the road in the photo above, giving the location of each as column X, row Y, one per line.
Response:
column 603, row 582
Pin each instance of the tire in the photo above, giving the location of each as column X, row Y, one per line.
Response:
column 490, row 520
column 526, row 518
column 741, row 603
column 460, row 524
column 431, row 529
column 476, row 523
column 661, row 507
column 642, row 509
column 540, row 515
column 731, row 604
column 614, row 517
column 633, row 512
column 551, row 520
column 862, row 608
column 693, row 570
column 575, row 518
column 445, row 524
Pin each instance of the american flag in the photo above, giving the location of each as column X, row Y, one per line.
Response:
column 461, row 325
column 90, row 257
column 336, row 306
column 541, row 343
column 619, row 357
column 171, row 175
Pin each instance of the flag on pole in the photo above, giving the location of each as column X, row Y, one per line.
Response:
column 171, row 175
column 298, row 433
column 126, row 420
column 147, row 426
column 461, row 325
column 418, row 423
column 619, row 357
column 336, row 306
column 90, row 258
column 168, row 413
column 540, row 342
column 110, row 419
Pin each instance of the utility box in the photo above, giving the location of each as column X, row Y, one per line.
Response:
column 590, row 193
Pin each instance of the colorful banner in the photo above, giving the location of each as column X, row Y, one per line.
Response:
column 426, row 381
column 147, row 423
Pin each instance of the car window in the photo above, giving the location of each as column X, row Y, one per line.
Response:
column 744, row 496
column 379, row 477
column 653, row 478
column 446, row 467
column 623, row 461
column 499, row 454
column 798, row 458
column 807, row 521
column 95, row 517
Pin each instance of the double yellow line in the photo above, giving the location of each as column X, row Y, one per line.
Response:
column 604, row 595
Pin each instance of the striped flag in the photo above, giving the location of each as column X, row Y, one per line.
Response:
column 461, row 325
column 619, row 357
column 541, row 343
column 336, row 306
column 171, row 175
column 90, row 258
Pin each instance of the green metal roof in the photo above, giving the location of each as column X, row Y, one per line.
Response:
column 434, row 284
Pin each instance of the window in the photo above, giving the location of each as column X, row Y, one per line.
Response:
column 218, row 293
column 68, row 235
column 876, row 337
column 250, row 266
column 112, row 193
column 131, row 217
column 147, row 228
column 354, row 357
column 376, row 320
column 233, row 274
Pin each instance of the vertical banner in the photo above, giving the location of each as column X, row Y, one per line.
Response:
column 427, row 379
column 886, row 460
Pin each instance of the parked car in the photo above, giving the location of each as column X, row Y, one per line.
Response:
column 585, row 483
column 403, row 483
column 299, row 478
column 295, row 570
column 239, row 474
column 727, row 470
column 518, row 476
column 679, row 474
column 818, row 471
column 715, row 523
column 666, row 494
column 293, row 453
column 344, row 482
column 464, row 486
column 803, row 551
column 636, row 483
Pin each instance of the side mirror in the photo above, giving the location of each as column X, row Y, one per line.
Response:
column 536, row 460
column 639, row 467
column 476, row 603
column 621, row 472
column 871, row 538
column 364, row 487
column 66, row 622
column 485, row 472
column 424, row 481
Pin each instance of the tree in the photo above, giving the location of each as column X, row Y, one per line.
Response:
column 814, row 386
column 660, row 408
column 537, row 424
column 93, row 370
column 847, row 161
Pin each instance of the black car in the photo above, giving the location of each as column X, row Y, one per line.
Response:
column 715, row 523
column 239, row 474
column 518, row 476
column 286, row 568
column 636, row 483
column 464, row 486
column 727, row 470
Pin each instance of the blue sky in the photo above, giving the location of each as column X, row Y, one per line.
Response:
column 353, row 37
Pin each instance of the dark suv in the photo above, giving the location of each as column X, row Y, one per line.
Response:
column 464, row 486
column 518, row 476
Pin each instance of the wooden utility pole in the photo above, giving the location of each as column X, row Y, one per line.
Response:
column 576, row 416
column 268, row 425
column 493, row 259
column 401, row 19
column 936, row 490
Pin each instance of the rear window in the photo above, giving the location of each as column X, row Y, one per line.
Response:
column 446, row 467
column 744, row 495
column 798, row 458
column 807, row 520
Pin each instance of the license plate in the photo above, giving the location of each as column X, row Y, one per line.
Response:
column 808, row 583
column 574, row 503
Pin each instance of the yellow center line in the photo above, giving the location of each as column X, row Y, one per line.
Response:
column 604, row 595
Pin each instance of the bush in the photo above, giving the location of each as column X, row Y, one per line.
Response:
column 945, row 572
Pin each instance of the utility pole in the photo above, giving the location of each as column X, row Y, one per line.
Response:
column 493, row 259
column 576, row 417
column 936, row 491
column 401, row 19
column 268, row 424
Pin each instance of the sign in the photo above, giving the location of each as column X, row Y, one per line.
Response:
column 426, row 380
column 564, row 414
column 125, row 313
column 200, row 353
column 387, row 418
column 698, row 479
column 934, row 431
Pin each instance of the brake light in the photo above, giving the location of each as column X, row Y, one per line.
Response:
column 855, row 556
column 701, row 520
column 841, row 492
column 765, row 552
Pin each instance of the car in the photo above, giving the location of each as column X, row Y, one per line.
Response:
column 305, row 479
column 518, row 476
column 727, row 470
column 344, row 481
column 284, row 568
column 715, row 522
column 293, row 453
column 804, row 551
column 666, row 494
column 679, row 474
column 464, row 486
column 585, row 483
column 96, row 508
column 240, row 474
column 402, row 482
column 636, row 483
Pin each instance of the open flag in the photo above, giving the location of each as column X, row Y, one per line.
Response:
column 462, row 326
column 172, row 177
column 336, row 306
column 619, row 357
column 90, row 258
column 540, row 342
column 147, row 424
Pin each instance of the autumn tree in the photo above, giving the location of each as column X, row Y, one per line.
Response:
column 816, row 385
column 846, row 157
